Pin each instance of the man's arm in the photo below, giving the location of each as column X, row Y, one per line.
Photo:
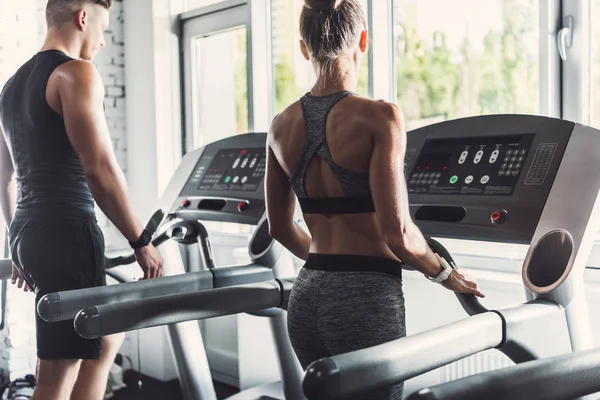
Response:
column 8, row 187
column 81, row 95
column 8, row 199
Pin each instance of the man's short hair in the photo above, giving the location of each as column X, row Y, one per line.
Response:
column 59, row 12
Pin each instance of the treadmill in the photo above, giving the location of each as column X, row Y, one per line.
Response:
column 223, row 181
column 557, row 378
column 502, row 178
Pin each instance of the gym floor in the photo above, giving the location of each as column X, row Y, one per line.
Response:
column 153, row 389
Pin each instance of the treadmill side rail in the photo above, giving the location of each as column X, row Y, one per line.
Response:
column 559, row 378
column 126, row 316
column 396, row 361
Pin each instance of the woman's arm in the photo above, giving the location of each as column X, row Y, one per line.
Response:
column 390, row 195
column 281, row 206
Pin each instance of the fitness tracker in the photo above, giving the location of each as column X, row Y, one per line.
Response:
column 446, row 271
column 143, row 241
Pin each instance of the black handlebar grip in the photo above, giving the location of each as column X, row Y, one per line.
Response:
column 87, row 323
column 321, row 380
column 469, row 302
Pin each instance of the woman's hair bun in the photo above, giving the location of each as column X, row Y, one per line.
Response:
column 322, row 5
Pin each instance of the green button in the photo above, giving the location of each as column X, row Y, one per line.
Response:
column 227, row 179
column 454, row 179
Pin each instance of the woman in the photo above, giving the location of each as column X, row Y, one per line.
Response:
column 342, row 156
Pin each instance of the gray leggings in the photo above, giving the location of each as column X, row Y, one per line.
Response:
column 338, row 305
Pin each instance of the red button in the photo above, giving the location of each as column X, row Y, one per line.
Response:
column 242, row 206
column 496, row 216
column 186, row 203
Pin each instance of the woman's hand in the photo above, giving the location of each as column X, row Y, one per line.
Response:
column 460, row 281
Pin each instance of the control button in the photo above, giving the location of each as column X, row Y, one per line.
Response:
column 509, row 153
column 242, row 206
column 485, row 179
column 435, row 182
column 244, row 179
column 236, row 179
column 511, row 166
column 415, row 176
column 501, row 172
column 521, row 159
column 236, row 163
column 412, row 182
column 469, row 179
column 453, row 179
column 186, row 203
column 523, row 152
column 498, row 217
column 518, row 166
column 227, row 179
column 514, row 159
column 503, row 166
column 463, row 157
column 478, row 157
column 244, row 163
column 438, row 175
column 253, row 163
column 494, row 156
column 506, row 159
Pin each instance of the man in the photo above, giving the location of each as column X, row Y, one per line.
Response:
column 55, row 160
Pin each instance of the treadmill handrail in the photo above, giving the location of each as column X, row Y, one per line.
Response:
column 469, row 302
column 131, row 315
column 111, row 262
column 558, row 378
column 65, row 305
column 401, row 359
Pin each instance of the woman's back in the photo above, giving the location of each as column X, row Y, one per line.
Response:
column 339, row 169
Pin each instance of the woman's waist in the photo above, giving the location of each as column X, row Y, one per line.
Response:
column 352, row 262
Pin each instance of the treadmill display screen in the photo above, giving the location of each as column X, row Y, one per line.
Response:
column 235, row 170
column 470, row 166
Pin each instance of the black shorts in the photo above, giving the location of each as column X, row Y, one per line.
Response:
column 56, row 254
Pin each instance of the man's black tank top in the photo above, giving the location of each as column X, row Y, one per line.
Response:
column 50, row 177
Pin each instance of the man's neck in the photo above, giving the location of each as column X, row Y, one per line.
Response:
column 56, row 40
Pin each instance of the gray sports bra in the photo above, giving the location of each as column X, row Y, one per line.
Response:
column 357, row 193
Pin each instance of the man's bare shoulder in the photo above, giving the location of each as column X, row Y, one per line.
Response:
column 78, row 73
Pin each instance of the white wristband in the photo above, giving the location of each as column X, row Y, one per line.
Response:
column 446, row 271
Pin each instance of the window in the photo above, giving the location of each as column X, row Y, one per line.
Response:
column 221, row 84
column 483, row 60
column 294, row 75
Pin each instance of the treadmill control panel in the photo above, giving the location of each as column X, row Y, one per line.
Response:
column 222, row 181
column 485, row 177
column 233, row 170
column 486, row 165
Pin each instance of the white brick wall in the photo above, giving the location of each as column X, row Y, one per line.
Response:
column 17, row 340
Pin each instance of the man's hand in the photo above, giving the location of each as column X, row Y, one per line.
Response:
column 150, row 261
column 18, row 280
